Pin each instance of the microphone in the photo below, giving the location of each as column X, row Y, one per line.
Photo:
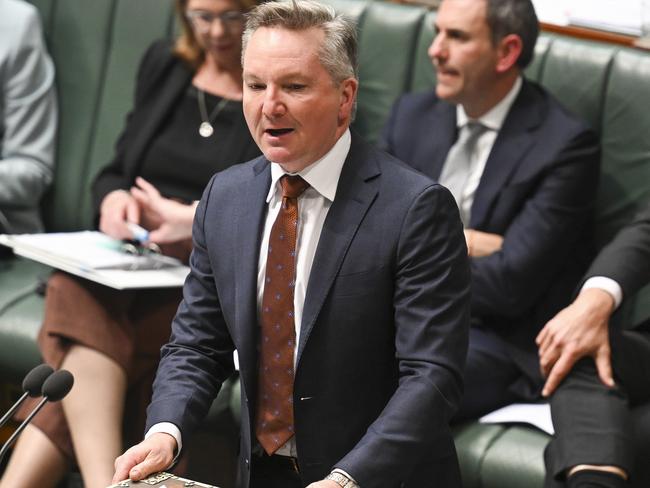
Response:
column 32, row 385
column 55, row 387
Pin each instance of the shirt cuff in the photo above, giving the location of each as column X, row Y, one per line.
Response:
column 605, row 284
column 172, row 430
column 339, row 470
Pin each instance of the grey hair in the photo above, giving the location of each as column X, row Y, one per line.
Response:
column 518, row 17
column 338, row 53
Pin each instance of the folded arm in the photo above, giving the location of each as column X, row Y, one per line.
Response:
column 540, row 238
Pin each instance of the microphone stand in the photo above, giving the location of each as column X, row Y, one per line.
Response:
column 10, row 413
column 20, row 428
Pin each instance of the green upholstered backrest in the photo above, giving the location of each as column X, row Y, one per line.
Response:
column 96, row 46
column 388, row 34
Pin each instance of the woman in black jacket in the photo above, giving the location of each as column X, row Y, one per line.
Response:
column 186, row 124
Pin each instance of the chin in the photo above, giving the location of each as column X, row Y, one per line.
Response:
column 277, row 155
column 447, row 93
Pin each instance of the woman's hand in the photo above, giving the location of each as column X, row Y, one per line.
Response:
column 173, row 219
column 118, row 208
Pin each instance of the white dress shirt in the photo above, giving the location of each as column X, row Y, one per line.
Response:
column 313, row 205
column 493, row 121
column 606, row 284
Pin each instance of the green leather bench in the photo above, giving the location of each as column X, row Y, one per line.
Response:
column 96, row 47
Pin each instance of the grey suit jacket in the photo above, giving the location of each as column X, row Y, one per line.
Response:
column 28, row 117
column 384, row 329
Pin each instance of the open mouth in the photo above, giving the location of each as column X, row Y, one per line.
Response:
column 278, row 132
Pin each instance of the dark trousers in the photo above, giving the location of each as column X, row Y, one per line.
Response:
column 492, row 378
column 274, row 472
column 602, row 426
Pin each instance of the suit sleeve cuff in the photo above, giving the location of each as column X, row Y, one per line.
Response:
column 606, row 284
column 172, row 430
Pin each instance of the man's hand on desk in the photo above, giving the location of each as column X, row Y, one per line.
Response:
column 152, row 455
column 580, row 330
column 173, row 220
column 118, row 208
column 481, row 244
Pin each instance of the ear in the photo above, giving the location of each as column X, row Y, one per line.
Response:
column 508, row 50
column 349, row 88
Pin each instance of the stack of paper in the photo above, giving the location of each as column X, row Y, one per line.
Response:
column 622, row 16
column 97, row 257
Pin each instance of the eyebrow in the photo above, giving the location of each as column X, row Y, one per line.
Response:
column 292, row 76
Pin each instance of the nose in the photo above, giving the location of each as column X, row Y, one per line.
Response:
column 437, row 50
column 273, row 105
column 217, row 28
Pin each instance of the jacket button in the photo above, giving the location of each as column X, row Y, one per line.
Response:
column 247, row 463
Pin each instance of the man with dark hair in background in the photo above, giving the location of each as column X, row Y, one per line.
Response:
column 523, row 172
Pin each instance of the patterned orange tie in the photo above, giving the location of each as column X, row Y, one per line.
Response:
column 274, row 421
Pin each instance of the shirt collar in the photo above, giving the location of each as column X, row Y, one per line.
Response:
column 493, row 118
column 322, row 175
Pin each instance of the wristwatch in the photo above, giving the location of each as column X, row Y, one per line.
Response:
column 342, row 480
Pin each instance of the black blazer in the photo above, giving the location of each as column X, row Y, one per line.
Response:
column 162, row 80
column 538, row 190
column 384, row 329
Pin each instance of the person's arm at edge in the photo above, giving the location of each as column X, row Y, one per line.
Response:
column 31, row 115
column 581, row 329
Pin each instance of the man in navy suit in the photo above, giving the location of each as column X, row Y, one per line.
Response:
column 525, row 186
column 338, row 273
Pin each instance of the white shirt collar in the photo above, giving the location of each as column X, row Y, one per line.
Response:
column 322, row 175
column 493, row 118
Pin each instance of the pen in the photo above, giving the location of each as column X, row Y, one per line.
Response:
column 139, row 233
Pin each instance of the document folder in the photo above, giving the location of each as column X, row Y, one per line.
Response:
column 100, row 258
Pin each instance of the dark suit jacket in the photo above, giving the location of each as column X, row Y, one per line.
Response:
column 538, row 190
column 626, row 259
column 384, row 330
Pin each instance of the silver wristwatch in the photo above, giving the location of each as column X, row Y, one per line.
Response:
column 342, row 480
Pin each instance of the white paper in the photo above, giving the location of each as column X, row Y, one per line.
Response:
column 622, row 16
column 84, row 253
column 552, row 11
column 535, row 414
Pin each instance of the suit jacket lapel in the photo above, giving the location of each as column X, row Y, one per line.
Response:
column 250, row 213
column 356, row 191
column 510, row 147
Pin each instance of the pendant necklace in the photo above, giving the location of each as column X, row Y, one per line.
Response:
column 206, row 129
